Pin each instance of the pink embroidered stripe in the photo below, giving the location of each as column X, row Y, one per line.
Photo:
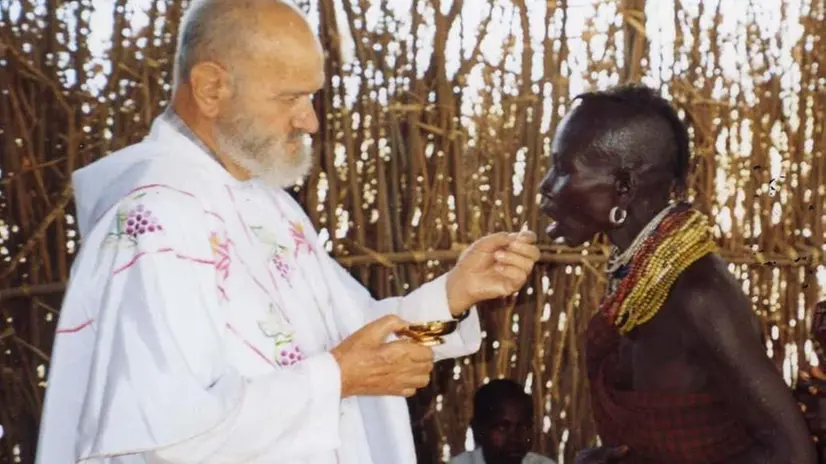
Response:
column 250, row 239
column 77, row 328
column 238, row 213
column 184, row 192
column 215, row 215
column 162, row 250
column 151, row 186
column 141, row 188
column 251, row 346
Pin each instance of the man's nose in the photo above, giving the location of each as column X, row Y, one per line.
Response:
column 518, row 436
column 306, row 120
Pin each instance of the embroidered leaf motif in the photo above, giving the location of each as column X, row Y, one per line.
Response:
column 263, row 235
column 270, row 331
column 274, row 327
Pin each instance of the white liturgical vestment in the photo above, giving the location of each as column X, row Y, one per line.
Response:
column 198, row 320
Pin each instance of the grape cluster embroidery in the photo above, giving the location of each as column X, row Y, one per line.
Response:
column 134, row 222
column 277, row 252
column 290, row 355
column 287, row 352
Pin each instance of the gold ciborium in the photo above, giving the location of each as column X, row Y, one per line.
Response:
column 429, row 333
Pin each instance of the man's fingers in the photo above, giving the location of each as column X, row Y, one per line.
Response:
column 421, row 353
column 420, row 381
column 418, row 353
column 414, row 373
column 381, row 328
column 493, row 242
column 513, row 259
column 409, row 351
column 526, row 236
column 515, row 274
column 414, row 382
column 528, row 250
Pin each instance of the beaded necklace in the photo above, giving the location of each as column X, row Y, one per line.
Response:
column 617, row 259
column 638, row 289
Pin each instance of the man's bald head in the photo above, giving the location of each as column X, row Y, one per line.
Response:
column 230, row 31
column 246, row 72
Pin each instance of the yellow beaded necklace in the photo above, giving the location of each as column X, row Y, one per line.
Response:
column 637, row 290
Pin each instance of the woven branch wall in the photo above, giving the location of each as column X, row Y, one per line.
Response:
column 436, row 125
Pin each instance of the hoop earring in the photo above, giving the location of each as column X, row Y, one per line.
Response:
column 617, row 216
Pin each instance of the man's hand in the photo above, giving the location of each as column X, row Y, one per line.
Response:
column 602, row 455
column 494, row 266
column 371, row 367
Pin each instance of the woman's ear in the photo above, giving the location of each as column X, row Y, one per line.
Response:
column 624, row 187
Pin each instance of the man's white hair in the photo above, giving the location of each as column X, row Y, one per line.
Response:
column 215, row 30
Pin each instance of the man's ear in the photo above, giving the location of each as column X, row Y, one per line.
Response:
column 211, row 86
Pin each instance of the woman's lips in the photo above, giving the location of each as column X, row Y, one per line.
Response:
column 555, row 232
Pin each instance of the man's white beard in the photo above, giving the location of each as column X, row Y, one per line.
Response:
column 265, row 157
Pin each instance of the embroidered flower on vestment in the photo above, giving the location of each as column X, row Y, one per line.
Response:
column 299, row 237
column 223, row 260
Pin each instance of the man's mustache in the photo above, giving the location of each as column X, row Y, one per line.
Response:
column 297, row 136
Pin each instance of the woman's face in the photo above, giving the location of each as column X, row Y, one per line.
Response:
column 578, row 192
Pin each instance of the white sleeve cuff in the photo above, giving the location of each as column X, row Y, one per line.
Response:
column 427, row 303
column 315, row 412
column 325, row 384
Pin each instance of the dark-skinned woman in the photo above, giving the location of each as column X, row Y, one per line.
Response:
column 676, row 369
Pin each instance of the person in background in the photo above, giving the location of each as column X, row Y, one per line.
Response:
column 502, row 426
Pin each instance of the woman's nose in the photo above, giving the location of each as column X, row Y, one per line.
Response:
column 546, row 187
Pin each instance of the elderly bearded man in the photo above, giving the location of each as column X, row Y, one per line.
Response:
column 203, row 323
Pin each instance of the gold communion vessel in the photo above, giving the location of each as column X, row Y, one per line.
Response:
column 429, row 333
